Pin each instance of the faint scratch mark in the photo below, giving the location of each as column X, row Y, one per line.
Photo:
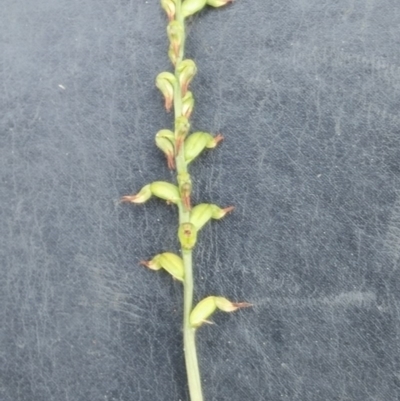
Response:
column 392, row 240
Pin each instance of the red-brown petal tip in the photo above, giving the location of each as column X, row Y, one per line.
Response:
column 218, row 138
column 242, row 304
column 228, row 209
column 128, row 199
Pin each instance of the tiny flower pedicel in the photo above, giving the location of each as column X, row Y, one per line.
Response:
column 180, row 148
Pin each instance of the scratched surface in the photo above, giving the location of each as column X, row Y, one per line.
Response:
column 306, row 93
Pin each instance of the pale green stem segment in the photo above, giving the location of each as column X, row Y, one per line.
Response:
column 189, row 340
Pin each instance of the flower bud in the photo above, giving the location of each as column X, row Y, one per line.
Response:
column 170, row 262
column 207, row 306
column 167, row 134
column 142, row 196
column 182, row 127
column 200, row 215
column 186, row 70
column 197, row 142
column 202, row 311
column 190, row 7
column 185, row 189
column 187, row 104
column 169, row 7
column 204, row 212
column 218, row 3
column 163, row 142
column 165, row 81
column 161, row 189
column 166, row 191
column 176, row 36
column 187, row 235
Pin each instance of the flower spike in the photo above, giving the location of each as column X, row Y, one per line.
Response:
column 181, row 147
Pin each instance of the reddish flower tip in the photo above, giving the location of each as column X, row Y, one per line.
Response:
column 242, row 304
column 228, row 209
column 144, row 263
column 128, row 199
column 171, row 161
column 218, row 138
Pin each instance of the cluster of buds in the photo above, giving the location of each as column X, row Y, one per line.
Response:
column 167, row 83
column 171, row 143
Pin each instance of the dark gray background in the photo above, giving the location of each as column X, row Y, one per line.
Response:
column 306, row 93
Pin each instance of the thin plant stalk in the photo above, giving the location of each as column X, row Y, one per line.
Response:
column 189, row 333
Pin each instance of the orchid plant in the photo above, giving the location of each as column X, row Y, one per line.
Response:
column 180, row 148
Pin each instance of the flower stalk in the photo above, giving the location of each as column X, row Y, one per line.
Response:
column 180, row 149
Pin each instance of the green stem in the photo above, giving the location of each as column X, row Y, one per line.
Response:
column 189, row 340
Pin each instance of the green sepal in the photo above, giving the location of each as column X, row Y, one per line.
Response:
column 204, row 212
column 200, row 215
column 169, row 7
column 142, row 196
column 218, row 3
column 186, row 70
column 165, row 82
column 190, row 7
column 197, row 142
column 207, row 306
column 165, row 142
column 202, row 311
column 167, row 134
column 187, row 234
column 170, row 262
column 166, row 191
column 161, row 189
